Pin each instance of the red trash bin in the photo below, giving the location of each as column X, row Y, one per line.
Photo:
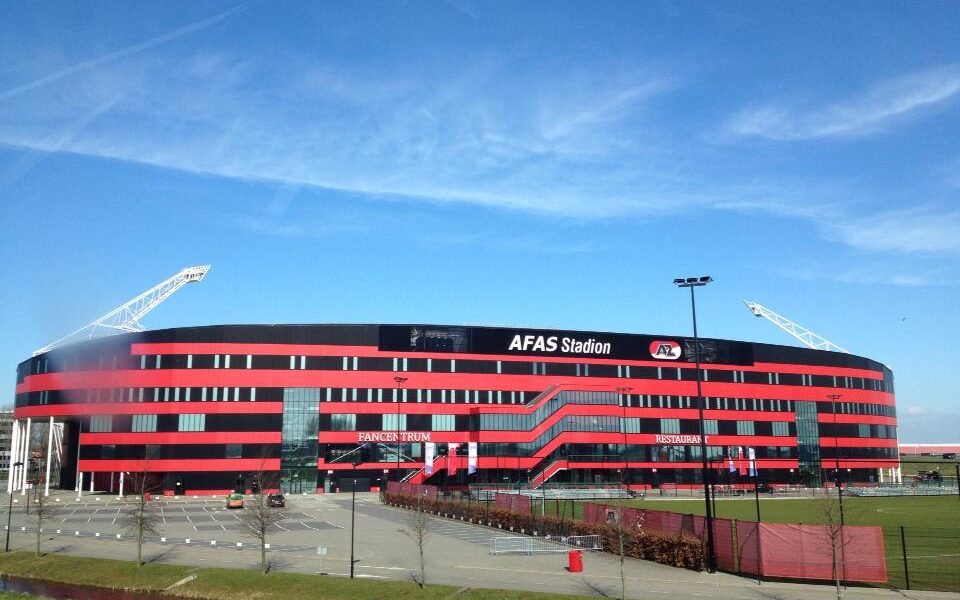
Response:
column 575, row 561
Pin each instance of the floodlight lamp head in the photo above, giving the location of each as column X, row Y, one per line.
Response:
column 693, row 281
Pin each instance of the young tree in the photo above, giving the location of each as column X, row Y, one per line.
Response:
column 141, row 518
column 418, row 529
column 259, row 517
column 43, row 510
column 832, row 510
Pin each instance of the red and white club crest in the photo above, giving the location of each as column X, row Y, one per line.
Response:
column 665, row 350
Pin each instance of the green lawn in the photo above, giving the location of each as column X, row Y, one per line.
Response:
column 911, row 465
column 236, row 584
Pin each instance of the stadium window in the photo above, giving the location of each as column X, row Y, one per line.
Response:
column 344, row 363
column 443, row 423
column 233, row 450
column 101, row 423
column 226, row 361
column 669, row 425
column 192, row 422
column 745, row 428
column 216, row 361
column 303, row 362
column 781, row 428
column 143, row 361
column 293, row 362
column 390, row 422
column 143, row 423
column 249, row 361
column 710, row 427
column 864, row 430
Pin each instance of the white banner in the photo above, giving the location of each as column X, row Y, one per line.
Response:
column 471, row 458
column 429, row 450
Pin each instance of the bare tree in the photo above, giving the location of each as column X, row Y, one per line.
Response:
column 141, row 517
column 42, row 511
column 418, row 529
column 831, row 510
column 260, row 517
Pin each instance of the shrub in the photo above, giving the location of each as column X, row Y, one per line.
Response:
column 681, row 551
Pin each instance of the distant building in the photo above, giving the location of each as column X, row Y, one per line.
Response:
column 929, row 449
column 6, row 427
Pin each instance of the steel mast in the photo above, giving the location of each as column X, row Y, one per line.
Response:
column 126, row 317
column 806, row 337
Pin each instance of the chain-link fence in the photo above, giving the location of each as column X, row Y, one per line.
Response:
column 924, row 558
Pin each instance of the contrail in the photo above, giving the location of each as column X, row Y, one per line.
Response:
column 95, row 62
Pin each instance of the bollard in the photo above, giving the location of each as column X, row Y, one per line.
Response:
column 240, row 545
column 575, row 561
column 186, row 541
column 213, row 542
column 163, row 540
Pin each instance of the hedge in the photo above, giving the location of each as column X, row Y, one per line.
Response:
column 681, row 551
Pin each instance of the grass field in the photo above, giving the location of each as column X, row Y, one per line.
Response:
column 237, row 584
column 931, row 528
column 911, row 465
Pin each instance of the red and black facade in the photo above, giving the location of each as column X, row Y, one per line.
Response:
column 208, row 408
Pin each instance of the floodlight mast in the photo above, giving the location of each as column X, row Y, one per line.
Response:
column 126, row 317
column 806, row 337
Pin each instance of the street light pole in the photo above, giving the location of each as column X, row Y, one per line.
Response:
column 399, row 381
column 6, row 546
column 353, row 512
column 694, row 282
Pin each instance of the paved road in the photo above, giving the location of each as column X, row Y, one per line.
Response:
column 457, row 552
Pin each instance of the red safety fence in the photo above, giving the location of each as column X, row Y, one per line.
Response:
column 810, row 552
column 413, row 489
column 513, row 502
column 768, row 549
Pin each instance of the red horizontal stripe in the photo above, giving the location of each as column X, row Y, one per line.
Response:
column 187, row 464
column 867, row 419
column 373, row 351
column 419, row 380
column 183, row 437
column 857, row 442
column 149, row 408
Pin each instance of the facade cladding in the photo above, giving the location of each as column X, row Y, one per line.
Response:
column 209, row 409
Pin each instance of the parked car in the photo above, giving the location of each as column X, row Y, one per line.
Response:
column 949, row 454
column 235, row 501
column 276, row 501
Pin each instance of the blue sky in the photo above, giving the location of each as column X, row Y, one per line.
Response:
column 538, row 163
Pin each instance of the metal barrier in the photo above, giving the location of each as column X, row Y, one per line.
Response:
column 538, row 545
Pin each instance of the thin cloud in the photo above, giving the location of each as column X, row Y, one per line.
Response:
column 118, row 54
column 860, row 115
column 914, row 230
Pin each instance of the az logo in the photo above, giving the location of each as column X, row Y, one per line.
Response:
column 665, row 350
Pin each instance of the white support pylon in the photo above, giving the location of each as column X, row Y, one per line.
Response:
column 14, row 447
column 26, row 458
column 806, row 337
column 126, row 317
column 46, row 481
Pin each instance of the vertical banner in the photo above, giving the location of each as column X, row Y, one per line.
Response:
column 429, row 450
column 452, row 457
column 740, row 464
column 471, row 458
column 752, row 457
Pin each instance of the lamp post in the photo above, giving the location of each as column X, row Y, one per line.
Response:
column 624, row 400
column 695, row 282
column 6, row 546
column 399, row 381
column 353, row 508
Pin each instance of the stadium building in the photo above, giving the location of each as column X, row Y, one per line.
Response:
column 211, row 409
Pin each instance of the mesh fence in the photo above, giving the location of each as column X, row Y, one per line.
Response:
column 925, row 558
